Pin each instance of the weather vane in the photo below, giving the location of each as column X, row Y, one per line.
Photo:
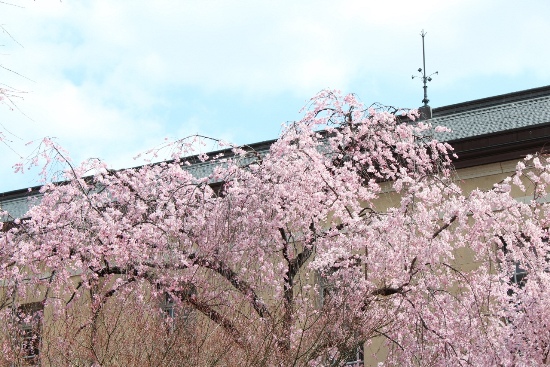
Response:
column 425, row 79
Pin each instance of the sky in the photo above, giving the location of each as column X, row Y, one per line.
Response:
column 111, row 79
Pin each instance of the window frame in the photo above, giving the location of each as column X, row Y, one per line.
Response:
column 29, row 317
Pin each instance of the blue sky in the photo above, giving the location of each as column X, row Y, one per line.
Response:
column 110, row 79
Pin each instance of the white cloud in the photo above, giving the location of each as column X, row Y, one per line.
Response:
column 272, row 47
column 108, row 73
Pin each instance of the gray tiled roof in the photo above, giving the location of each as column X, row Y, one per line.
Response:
column 493, row 119
column 466, row 120
column 204, row 169
column 18, row 207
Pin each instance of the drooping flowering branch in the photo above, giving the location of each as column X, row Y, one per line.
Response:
column 349, row 228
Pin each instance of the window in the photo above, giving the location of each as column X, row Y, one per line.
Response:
column 30, row 317
column 356, row 356
column 358, row 359
column 168, row 306
column 519, row 276
column 176, row 313
column 325, row 289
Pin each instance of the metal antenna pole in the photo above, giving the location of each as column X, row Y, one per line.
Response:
column 425, row 79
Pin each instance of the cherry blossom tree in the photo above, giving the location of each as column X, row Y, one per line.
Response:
column 350, row 231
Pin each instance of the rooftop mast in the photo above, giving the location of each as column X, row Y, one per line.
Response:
column 426, row 109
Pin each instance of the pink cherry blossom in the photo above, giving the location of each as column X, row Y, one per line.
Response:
column 349, row 231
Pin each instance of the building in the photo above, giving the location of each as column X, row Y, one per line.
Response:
column 486, row 131
column 489, row 135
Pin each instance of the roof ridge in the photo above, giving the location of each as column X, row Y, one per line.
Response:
column 528, row 94
column 501, row 106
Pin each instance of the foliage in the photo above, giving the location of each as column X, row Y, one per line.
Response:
column 293, row 257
